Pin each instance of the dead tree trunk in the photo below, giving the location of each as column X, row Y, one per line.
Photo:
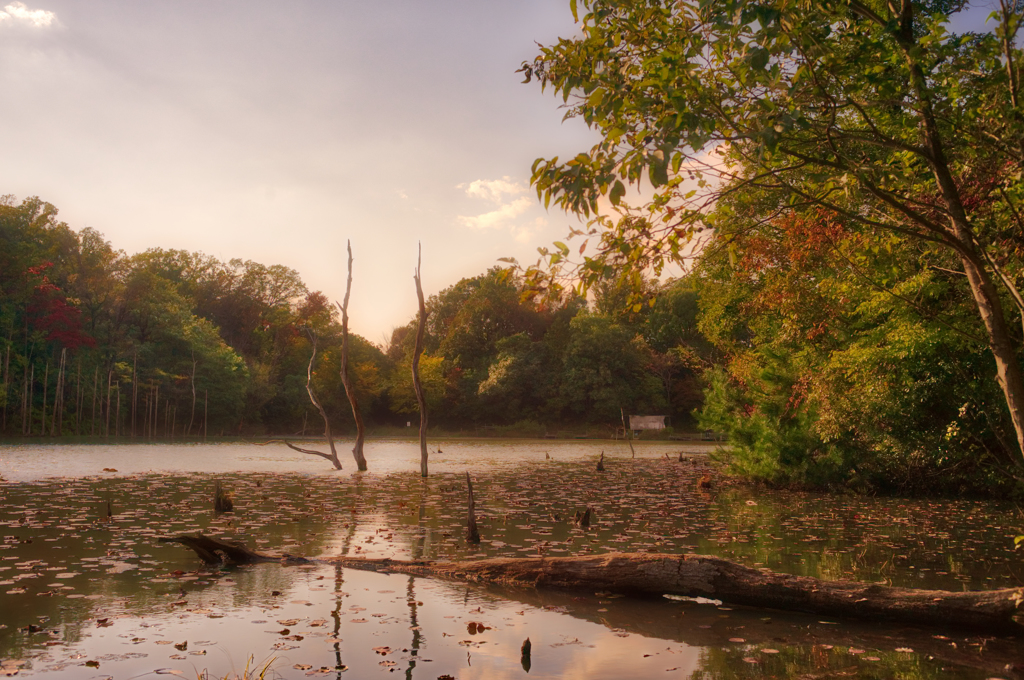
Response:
column 333, row 455
column 420, row 330
column 628, row 431
column 346, row 379
column 214, row 551
column 698, row 576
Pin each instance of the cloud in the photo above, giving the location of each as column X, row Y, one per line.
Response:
column 500, row 193
column 496, row 218
column 493, row 190
column 17, row 12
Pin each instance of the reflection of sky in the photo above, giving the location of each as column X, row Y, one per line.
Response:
column 28, row 462
column 226, row 622
column 64, row 566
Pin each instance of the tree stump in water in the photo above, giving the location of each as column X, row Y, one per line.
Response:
column 472, row 533
column 221, row 499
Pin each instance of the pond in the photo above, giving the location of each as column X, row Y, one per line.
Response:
column 87, row 591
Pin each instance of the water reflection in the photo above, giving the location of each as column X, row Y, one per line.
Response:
column 78, row 586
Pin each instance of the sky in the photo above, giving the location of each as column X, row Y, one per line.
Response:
column 275, row 131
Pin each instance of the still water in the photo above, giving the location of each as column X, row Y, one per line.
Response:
column 86, row 591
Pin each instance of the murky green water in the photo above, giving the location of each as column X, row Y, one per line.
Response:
column 84, row 595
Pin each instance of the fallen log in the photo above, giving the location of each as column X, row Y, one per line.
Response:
column 693, row 576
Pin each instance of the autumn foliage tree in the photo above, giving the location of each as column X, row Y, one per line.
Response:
column 874, row 114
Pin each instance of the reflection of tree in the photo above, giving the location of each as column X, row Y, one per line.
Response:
column 339, row 582
column 417, row 553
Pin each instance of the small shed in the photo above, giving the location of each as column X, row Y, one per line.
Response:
column 647, row 422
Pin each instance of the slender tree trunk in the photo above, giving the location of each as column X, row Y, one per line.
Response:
column 135, row 388
column 7, row 380
column 58, row 394
column 117, row 413
column 78, row 399
column 346, row 379
column 106, row 425
column 627, row 431
column 192, row 415
column 206, row 410
column 95, row 388
column 156, row 412
column 333, row 455
column 420, row 330
column 26, row 418
column 46, row 385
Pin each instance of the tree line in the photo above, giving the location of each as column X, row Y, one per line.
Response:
column 168, row 344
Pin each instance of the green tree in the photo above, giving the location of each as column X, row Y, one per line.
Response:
column 603, row 372
column 871, row 112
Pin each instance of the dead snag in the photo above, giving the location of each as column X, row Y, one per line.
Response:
column 711, row 577
column 524, row 654
column 600, row 463
column 215, row 551
column 472, row 533
column 421, row 328
column 221, row 499
column 346, row 379
column 333, row 455
column 691, row 576
column 628, row 432
column 582, row 519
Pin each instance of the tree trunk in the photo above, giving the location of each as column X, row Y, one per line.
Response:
column 420, row 330
column 694, row 576
column 135, row 388
column 346, row 379
column 7, row 376
column 1008, row 372
column 92, row 412
column 106, row 423
column 962, row 238
column 333, row 455
column 46, row 381
column 192, row 414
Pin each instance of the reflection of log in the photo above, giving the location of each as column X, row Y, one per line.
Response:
column 710, row 577
column 708, row 626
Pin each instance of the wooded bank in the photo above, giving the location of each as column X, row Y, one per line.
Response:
column 696, row 576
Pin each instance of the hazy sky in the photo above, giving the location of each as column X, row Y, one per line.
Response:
column 274, row 131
